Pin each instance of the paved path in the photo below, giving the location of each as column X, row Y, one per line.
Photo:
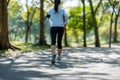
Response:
column 77, row 64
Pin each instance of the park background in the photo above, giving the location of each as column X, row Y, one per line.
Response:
column 91, row 22
column 91, row 41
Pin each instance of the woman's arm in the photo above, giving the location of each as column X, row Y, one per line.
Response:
column 65, row 16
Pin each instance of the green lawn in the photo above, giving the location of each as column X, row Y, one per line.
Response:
column 25, row 47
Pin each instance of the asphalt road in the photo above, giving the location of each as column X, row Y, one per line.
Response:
column 77, row 64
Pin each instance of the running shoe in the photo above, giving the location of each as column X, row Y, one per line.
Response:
column 58, row 59
column 53, row 59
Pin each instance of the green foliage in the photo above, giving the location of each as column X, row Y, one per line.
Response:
column 16, row 24
column 75, row 24
column 25, row 47
column 14, row 9
column 29, row 46
column 18, row 17
column 2, row 52
column 104, row 32
column 33, row 13
column 89, row 23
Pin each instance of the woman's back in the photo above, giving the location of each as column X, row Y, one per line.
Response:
column 57, row 18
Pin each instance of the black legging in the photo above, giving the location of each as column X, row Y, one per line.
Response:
column 57, row 31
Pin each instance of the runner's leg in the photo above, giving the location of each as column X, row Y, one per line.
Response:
column 53, row 41
column 59, row 41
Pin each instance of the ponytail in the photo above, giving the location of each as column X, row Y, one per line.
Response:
column 56, row 8
column 56, row 3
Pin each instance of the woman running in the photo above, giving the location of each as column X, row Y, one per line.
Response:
column 58, row 19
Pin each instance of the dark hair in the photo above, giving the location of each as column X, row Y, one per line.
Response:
column 56, row 3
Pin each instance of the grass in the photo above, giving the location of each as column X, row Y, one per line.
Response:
column 29, row 46
column 25, row 47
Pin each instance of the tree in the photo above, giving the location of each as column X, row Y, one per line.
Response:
column 93, row 12
column 116, row 9
column 84, row 24
column 4, row 39
column 116, row 21
column 42, row 36
column 15, row 20
column 75, row 23
column 30, row 15
column 113, row 5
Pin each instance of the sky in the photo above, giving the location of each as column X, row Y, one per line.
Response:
column 67, row 5
column 70, row 3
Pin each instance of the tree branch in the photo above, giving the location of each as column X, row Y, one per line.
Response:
column 82, row 1
column 52, row 1
column 97, row 6
column 113, row 5
column 119, row 11
column 8, row 2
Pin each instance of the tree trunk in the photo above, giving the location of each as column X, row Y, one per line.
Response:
column 30, row 14
column 84, row 24
column 115, row 31
column 42, row 37
column 4, row 39
column 65, row 38
column 27, row 33
column 97, row 41
column 110, row 36
column 27, row 24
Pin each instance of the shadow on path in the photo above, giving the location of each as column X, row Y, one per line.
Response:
column 77, row 64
